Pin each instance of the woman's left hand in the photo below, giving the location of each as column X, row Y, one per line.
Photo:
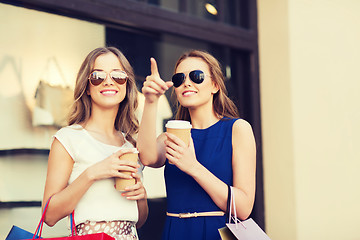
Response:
column 137, row 191
column 179, row 154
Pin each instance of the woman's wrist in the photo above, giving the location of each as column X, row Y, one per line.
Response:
column 196, row 170
column 89, row 175
column 151, row 102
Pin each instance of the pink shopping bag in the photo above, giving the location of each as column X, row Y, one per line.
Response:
column 17, row 233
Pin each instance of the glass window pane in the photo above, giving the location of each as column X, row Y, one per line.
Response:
column 237, row 13
column 167, row 4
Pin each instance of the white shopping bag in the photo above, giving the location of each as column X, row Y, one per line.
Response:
column 243, row 230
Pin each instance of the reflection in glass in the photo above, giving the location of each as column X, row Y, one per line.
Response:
column 237, row 12
column 204, row 9
column 211, row 9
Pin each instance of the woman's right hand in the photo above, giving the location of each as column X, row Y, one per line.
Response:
column 113, row 166
column 151, row 152
column 154, row 86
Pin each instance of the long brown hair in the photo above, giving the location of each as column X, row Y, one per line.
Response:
column 80, row 112
column 222, row 105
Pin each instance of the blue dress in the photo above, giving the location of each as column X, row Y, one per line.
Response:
column 213, row 148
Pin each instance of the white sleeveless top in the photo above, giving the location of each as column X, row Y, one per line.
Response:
column 101, row 202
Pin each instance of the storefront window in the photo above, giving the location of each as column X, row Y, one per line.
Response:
column 232, row 12
column 141, row 29
column 165, row 48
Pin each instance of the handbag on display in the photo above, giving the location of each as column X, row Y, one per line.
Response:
column 17, row 233
column 243, row 230
column 52, row 102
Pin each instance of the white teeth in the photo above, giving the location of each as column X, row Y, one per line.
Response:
column 108, row 92
column 188, row 93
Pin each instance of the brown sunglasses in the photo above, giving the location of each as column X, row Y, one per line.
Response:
column 97, row 77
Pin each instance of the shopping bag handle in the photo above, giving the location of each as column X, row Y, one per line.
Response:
column 39, row 228
column 233, row 205
column 72, row 224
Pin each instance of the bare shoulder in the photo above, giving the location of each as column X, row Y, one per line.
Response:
column 244, row 146
column 241, row 126
column 58, row 153
column 242, row 134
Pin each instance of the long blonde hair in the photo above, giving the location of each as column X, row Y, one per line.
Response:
column 80, row 112
column 222, row 105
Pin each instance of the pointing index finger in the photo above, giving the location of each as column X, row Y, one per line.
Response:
column 154, row 68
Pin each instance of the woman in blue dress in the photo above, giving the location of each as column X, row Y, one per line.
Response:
column 221, row 152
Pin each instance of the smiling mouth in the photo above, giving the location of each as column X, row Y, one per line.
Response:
column 109, row 92
column 188, row 93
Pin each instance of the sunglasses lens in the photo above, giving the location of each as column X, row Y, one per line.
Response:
column 119, row 76
column 197, row 76
column 178, row 79
column 97, row 77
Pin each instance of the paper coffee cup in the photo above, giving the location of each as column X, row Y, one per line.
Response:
column 180, row 128
column 122, row 183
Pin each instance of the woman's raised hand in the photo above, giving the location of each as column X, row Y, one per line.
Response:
column 154, row 86
column 112, row 166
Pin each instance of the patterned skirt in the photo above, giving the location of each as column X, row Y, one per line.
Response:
column 120, row 230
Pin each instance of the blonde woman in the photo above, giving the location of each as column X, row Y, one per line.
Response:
column 221, row 151
column 84, row 156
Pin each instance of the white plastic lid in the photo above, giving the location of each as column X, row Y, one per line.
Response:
column 180, row 124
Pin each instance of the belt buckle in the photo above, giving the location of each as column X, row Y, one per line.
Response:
column 185, row 215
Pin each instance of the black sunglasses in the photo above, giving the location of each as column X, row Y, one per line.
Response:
column 196, row 76
column 97, row 77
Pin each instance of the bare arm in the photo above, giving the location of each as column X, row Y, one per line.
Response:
column 243, row 163
column 65, row 197
column 244, row 167
column 151, row 150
